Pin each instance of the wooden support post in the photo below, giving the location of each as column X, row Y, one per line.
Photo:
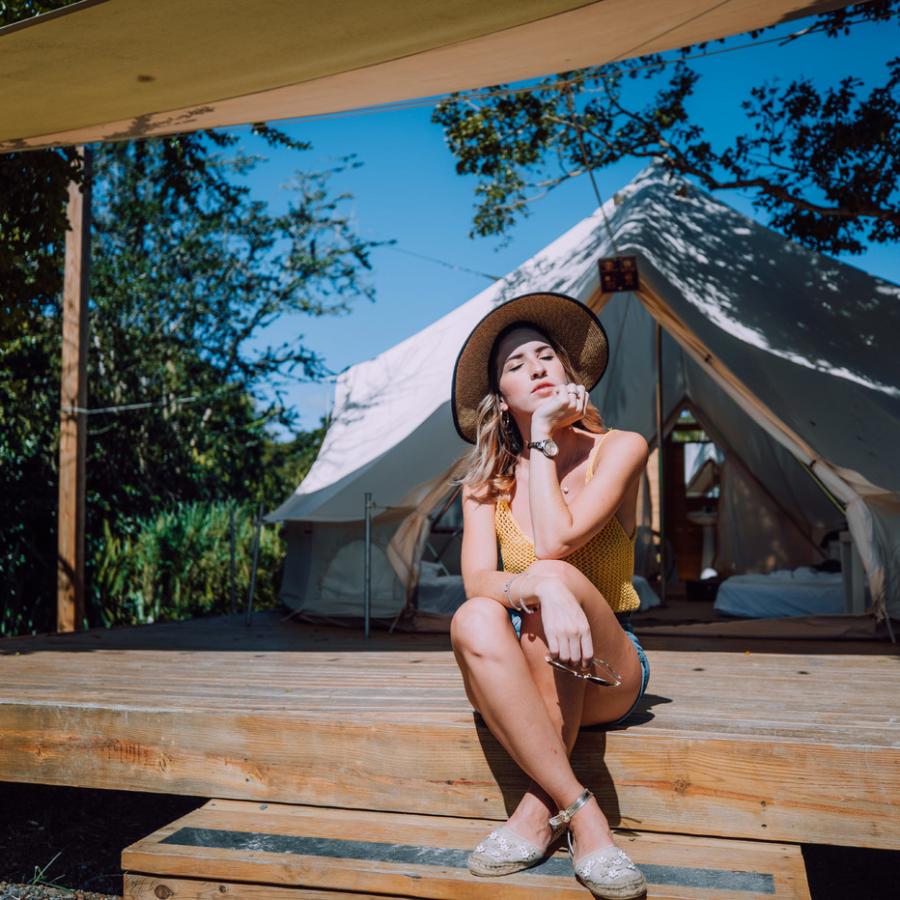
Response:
column 70, row 599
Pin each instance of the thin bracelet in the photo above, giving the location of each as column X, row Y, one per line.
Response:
column 524, row 607
column 506, row 588
column 521, row 606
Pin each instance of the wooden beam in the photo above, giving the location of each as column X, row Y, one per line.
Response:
column 70, row 605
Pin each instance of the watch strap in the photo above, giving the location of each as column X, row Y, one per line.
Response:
column 541, row 445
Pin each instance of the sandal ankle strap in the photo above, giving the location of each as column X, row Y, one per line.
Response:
column 564, row 816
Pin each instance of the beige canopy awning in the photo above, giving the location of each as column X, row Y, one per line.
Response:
column 117, row 69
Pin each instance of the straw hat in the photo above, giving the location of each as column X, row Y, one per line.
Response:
column 563, row 319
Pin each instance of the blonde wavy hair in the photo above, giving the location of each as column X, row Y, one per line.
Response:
column 490, row 465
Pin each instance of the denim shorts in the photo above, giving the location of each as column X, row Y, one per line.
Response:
column 625, row 622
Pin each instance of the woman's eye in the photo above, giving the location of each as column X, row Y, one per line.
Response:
column 513, row 368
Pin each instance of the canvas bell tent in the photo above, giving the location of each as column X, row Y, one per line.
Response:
column 784, row 357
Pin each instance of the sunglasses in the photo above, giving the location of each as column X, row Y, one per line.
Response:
column 590, row 673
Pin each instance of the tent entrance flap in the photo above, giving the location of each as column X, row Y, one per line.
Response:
column 860, row 523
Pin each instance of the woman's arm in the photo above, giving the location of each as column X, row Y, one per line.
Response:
column 560, row 529
column 479, row 557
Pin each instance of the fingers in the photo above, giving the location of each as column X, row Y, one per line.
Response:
column 582, row 398
column 578, row 397
column 574, row 397
column 587, row 649
column 566, row 629
column 575, row 650
column 552, row 643
column 573, row 647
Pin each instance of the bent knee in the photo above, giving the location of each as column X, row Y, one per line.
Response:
column 475, row 625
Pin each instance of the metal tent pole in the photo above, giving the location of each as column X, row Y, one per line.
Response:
column 659, row 461
column 232, row 574
column 367, row 575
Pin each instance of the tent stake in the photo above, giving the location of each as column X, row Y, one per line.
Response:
column 367, row 574
column 659, row 461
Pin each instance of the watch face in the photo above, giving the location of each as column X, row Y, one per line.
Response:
column 550, row 448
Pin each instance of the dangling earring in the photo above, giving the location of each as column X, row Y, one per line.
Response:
column 506, row 421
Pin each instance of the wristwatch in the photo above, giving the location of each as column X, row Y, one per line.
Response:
column 547, row 446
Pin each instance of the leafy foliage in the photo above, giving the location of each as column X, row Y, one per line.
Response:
column 177, row 564
column 18, row 10
column 823, row 163
column 32, row 232
column 187, row 270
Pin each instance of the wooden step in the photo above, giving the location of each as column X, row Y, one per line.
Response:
column 270, row 851
column 750, row 745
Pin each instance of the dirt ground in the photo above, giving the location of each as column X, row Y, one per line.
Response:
column 60, row 842
column 75, row 837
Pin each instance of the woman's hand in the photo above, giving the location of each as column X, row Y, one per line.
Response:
column 565, row 624
column 565, row 406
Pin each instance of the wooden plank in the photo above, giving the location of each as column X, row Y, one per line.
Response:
column 268, row 632
column 70, row 602
column 425, row 856
column 153, row 887
column 777, row 789
column 280, row 712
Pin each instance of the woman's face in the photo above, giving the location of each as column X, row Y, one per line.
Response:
column 525, row 361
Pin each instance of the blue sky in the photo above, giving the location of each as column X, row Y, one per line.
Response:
column 407, row 189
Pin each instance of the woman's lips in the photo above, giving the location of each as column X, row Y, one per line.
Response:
column 541, row 387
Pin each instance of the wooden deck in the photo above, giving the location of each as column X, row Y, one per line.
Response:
column 743, row 742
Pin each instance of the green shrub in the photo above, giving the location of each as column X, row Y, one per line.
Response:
column 176, row 565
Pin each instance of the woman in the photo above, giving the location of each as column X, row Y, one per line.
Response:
column 520, row 394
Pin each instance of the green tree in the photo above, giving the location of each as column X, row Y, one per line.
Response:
column 187, row 270
column 823, row 163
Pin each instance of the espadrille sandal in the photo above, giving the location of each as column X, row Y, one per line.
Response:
column 607, row 873
column 503, row 852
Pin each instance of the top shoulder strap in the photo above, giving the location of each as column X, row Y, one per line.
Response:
column 593, row 456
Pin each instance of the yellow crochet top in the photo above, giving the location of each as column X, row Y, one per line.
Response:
column 607, row 559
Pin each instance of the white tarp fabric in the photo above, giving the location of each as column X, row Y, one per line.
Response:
column 101, row 71
column 783, row 354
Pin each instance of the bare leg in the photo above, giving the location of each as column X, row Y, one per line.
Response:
column 500, row 686
column 563, row 697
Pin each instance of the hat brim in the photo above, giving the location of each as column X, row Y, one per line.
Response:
column 565, row 320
